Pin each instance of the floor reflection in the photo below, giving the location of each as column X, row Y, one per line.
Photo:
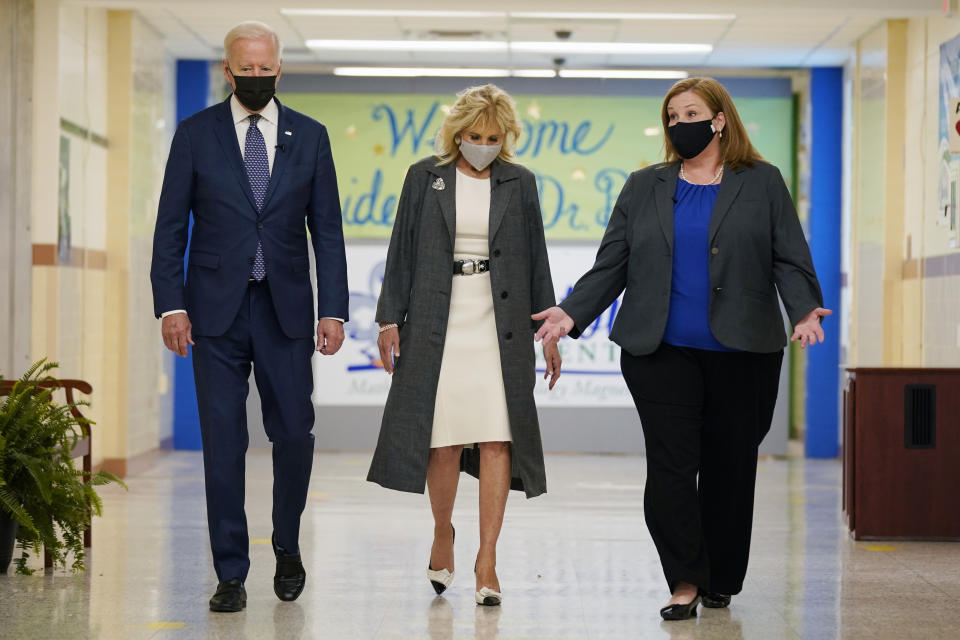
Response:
column 487, row 622
column 576, row 563
column 440, row 619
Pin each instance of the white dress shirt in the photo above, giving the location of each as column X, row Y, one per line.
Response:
column 267, row 125
column 269, row 119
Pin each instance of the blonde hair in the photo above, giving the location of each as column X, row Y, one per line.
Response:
column 478, row 106
column 251, row 30
column 735, row 146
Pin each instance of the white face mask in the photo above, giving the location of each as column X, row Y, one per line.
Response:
column 480, row 155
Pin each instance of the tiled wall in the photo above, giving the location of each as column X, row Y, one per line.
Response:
column 897, row 251
column 867, row 212
column 68, row 289
column 932, row 264
column 91, row 305
column 149, row 406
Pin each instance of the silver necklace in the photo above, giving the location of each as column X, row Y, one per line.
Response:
column 716, row 178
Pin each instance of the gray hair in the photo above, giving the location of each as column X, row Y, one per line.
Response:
column 251, row 30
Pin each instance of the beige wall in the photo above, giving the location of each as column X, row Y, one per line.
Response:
column 16, row 124
column 101, row 93
column 939, row 311
column 903, row 312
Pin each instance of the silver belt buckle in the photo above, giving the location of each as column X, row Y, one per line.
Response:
column 468, row 267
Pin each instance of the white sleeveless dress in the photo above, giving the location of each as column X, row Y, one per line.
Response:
column 471, row 404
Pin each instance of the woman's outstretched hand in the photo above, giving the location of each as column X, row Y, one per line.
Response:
column 808, row 330
column 551, row 354
column 389, row 343
column 556, row 324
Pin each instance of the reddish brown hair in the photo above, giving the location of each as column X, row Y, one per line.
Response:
column 735, row 146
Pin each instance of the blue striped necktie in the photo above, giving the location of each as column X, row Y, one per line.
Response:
column 258, row 172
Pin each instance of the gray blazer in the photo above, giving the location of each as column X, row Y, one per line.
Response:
column 756, row 246
column 416, row 296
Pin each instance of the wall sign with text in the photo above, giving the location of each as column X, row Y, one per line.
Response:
column 581, row 148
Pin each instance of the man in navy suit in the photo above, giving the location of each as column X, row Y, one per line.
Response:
column 256, row 176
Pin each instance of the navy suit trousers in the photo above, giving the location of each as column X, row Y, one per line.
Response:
column 284, row 377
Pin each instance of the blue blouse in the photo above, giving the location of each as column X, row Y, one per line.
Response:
column 688, row 322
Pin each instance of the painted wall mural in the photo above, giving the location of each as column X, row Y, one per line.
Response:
column 581, row 148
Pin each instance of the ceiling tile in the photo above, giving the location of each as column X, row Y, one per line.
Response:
column 764, row 33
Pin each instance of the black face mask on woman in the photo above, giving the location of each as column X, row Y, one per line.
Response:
column 254, row 92
column 691, row 138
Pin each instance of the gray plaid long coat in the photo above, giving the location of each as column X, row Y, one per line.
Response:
column 416, row 296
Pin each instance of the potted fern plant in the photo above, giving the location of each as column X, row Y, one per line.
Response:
column 44, row 499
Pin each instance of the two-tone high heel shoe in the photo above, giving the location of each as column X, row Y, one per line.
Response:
column 441, row 579
column 681, row 611
column 487, row 596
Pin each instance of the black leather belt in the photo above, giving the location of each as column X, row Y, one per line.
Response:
column 470, row 267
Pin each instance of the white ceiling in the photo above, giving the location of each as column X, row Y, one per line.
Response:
column 762, row 33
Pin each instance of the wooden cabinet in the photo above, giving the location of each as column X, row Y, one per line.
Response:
column 901, row 453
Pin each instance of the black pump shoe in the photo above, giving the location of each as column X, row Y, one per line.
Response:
column 713, row 600
column 681, row 611
column 441, row 579
column 230, row 597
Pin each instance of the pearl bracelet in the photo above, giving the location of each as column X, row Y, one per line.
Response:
column 392, row 325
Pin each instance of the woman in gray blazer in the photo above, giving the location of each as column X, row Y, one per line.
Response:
column 700, row 246
column 466, row 267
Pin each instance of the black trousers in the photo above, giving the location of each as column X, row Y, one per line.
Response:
column 704, row 414
column 284, row 378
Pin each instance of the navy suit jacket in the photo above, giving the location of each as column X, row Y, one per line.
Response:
column 205, row 174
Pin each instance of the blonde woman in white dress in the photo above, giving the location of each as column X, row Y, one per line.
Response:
column 466, row 267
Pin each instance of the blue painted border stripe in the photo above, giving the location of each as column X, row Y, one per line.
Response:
column 193, row 88
column 823, row 361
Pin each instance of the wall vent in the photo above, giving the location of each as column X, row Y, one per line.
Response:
column 920, row 416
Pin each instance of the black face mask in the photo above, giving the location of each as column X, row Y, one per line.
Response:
column 691, row 138
column 254, row 92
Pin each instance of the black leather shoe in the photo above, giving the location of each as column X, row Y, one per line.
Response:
column 681, row 611
column 713, row 600
column 230, row 597
column 290, row 577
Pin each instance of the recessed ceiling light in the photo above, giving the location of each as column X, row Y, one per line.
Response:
column 409, row 45
column 521, row 15
column 392, row 13
column 448, row 72
column 646, row 74
column 501, row 46
column 534, row 73
column 574, row 15
column 648, row 48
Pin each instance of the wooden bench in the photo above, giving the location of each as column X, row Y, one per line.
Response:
column 84, row 445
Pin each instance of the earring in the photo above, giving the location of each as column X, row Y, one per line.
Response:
column 720, row 133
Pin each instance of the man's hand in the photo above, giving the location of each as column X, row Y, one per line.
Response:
column 551, row 353
column 389, row 344
column 176, row 331
column 329, row 336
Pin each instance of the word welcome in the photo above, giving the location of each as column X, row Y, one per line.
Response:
column 543, row 135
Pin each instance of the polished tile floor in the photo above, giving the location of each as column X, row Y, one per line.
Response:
column 576, row 563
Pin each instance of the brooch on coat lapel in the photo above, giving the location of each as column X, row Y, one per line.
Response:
column 438, row 184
